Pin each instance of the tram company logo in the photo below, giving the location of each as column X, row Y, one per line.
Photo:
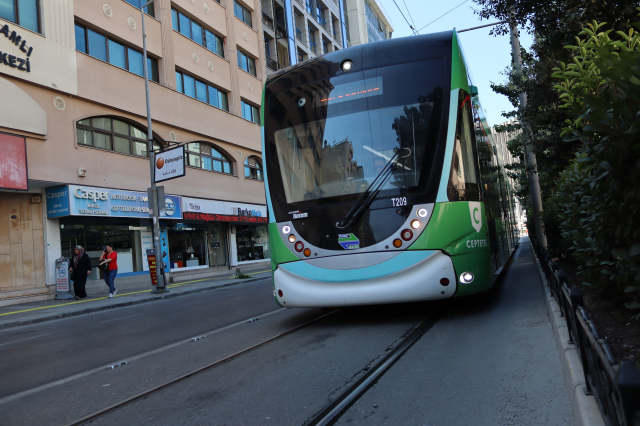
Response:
column 349, row 241
column 476, row 215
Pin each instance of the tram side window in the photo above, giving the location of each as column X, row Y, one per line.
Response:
column 464, row 182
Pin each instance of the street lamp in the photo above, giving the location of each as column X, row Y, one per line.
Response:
column 153, row 201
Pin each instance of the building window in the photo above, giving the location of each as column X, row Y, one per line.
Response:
column 253, row 168
column 246, row 63
column 251, row 113
column 107, row 50
column 113, row 135
column 300, row 57
column 149, row 10
column 325, row 46
column 196, row 32
column 312, row 40
column 242, row 13
column 201, row 91
column 204, row 156
column 320, row 15
column 25, row 13
column 375, row 27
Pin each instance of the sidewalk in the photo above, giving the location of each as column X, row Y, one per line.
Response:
column 35, row 312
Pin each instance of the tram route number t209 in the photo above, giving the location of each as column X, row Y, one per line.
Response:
column 399, row 202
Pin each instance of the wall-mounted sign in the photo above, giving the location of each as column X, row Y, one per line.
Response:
column 226, row 208
column 170, row 164
column 73, row 200
column 193, row 207
column 13, row 61
column 13, row 162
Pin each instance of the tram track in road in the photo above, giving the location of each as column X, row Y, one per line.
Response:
column 332, row 413
column 145, row 394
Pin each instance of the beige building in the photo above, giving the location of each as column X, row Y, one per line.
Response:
column 73, row 131
column 297, row 30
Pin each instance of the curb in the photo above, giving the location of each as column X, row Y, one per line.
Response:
column 122, row 304
column 585, row 409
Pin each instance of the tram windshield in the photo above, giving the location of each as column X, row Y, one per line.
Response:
column 334, row 136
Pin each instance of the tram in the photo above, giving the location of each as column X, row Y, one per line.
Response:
column 382, row 180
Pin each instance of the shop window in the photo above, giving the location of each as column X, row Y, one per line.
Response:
column 107, row 50
column 242, row 13
column 113, row 135
column 25, row 13
column 196, row 32
column 246, row 63
column 252, row 242
column 149, row 10
column 187, row 245
column 201, row 91
column 249, row 112
column 253, row 168
column 204, row 156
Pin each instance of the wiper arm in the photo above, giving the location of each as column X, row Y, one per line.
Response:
column 373, row 189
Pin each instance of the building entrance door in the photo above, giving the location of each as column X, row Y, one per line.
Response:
column 217, row 244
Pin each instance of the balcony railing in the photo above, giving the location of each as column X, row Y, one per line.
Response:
column 272, row 64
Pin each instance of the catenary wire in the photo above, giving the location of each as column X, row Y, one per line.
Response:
column 408, row 23
column 409, row 13
column 442, row 15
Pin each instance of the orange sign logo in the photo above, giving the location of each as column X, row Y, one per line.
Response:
column 160, row 163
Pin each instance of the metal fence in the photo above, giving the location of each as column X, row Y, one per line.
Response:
column 616, row 387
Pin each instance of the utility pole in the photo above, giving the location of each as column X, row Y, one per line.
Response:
column 153, row 202
column 530, row 158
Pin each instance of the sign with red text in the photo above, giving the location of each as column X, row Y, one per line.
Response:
column 151, row 259
column 210, row 217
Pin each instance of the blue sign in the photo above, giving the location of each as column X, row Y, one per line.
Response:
column 57, row 201
column 75, row 200
column 164, row 246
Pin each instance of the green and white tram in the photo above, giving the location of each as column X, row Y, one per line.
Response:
column 382, row 182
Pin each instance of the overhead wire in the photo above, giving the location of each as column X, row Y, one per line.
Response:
column 465, row 1
column 408, row 23
column 409, row 13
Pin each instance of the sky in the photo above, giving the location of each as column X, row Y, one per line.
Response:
column 487, row 56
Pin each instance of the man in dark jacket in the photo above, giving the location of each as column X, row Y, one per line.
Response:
column 81, row 268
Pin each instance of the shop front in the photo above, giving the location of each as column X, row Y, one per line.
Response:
column 93, row 217
column 231, row 233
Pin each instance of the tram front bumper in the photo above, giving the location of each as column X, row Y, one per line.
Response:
column 299, row 284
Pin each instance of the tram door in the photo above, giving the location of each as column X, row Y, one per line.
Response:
column 217, row 244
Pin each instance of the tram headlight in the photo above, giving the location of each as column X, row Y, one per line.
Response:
column 286, row 229
column 422, row 212
column 292, row 238
column 466, row 277
column 347, row 65
column 415, row 224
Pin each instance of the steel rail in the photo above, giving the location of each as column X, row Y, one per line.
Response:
column 337, row 408
column 195, row 372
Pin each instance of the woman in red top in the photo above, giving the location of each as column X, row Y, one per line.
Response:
column 111, row 258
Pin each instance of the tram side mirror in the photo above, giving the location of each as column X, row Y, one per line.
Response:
column 473, row 90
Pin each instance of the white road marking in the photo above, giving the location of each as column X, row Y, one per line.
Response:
column 133, row 358
column 131, row 316
column 28, row 338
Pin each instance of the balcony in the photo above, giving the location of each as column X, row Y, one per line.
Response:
column 271, row 64
column 267, row 20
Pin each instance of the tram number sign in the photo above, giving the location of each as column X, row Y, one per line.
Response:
column 399, row 202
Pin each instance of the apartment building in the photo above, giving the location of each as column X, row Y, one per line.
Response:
column 297, row 30
column 73, row 134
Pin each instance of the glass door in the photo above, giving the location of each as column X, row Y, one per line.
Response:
column 217, row 244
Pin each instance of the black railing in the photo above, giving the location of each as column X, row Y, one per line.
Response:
column 272, row 64
column 616, row 387
column 267, row 19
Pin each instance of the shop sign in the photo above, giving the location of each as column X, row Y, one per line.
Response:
column 225, row 209
column 75, row 200
column 12, row 60
column 170, row 164
column 209, row 217
column 193, row 207
column 151, row 258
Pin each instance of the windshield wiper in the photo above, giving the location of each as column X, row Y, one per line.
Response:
column 373, row 189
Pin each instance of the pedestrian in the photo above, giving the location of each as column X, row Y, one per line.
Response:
column 81, row 269
column 110, row 257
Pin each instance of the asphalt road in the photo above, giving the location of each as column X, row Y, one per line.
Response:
column 488, row 360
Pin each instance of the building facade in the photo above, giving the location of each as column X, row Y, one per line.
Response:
column 74, row 134
column 297, row 30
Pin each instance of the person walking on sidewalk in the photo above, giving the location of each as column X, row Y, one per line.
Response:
column 110, row 257
column 81, row 268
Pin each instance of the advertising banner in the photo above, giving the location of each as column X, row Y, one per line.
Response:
column 13, row 162
column 223, row 211
column 62, row 275
column 170, row 164
column 151, row 258
column 146, row 243
column 74, row 200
